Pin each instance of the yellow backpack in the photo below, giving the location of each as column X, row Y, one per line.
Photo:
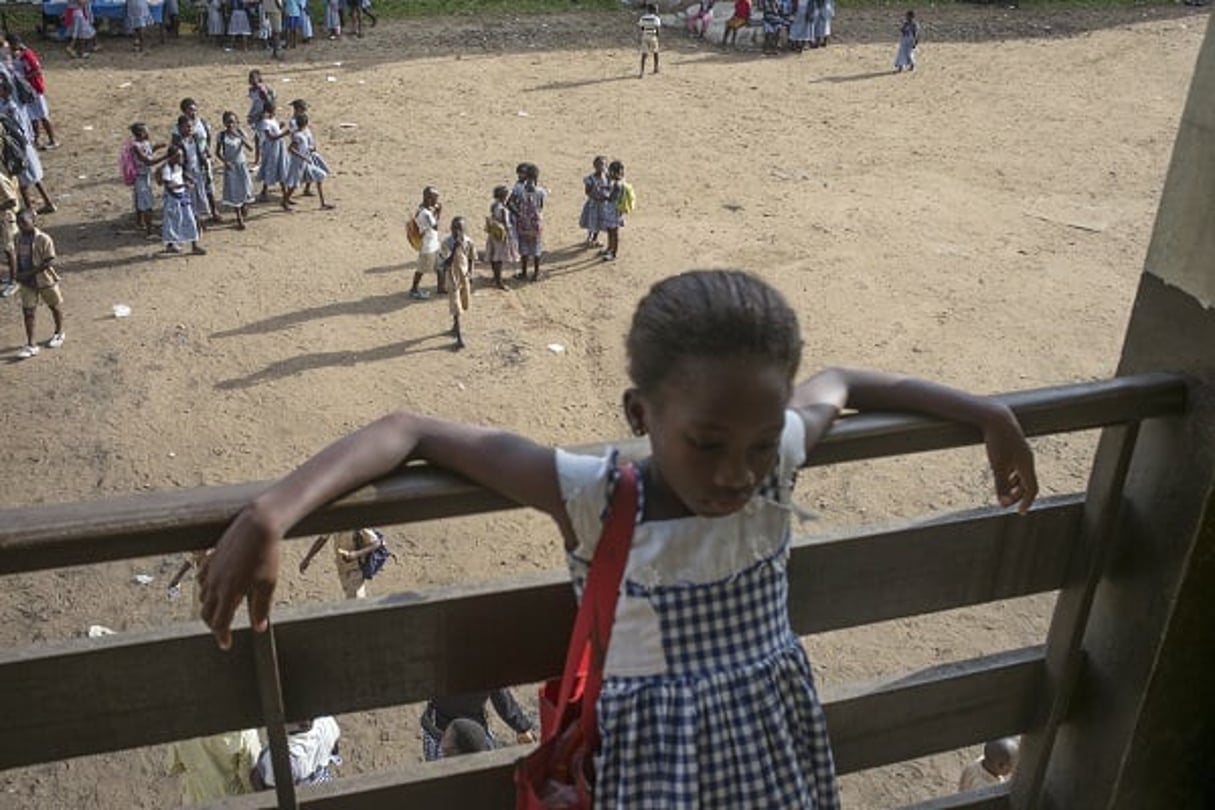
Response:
column 627, row 200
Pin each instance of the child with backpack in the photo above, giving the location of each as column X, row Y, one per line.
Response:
column 20, row 157
column 29, row 67
column 138, row 159
column 423, row 234
column 358, row 557
column 459, row 256
column 620, row 202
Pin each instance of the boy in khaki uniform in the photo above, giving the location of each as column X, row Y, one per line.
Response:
column 35, row 257
column 349, row 548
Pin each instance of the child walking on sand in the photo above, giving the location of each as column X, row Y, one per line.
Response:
column 528, row 207
column 702, row 665
column 27, row 62
column 305, row 165
column 597, row 188
column 426, row 223
column 613, row 216
column 272, row 166
column 458, row 255
column 501, row 244
column 649, row 24
column 230, row 148
column 350, row 551
column 909, row 40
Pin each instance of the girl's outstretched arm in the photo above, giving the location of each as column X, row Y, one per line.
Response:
column 822, row 398
column 246, row 559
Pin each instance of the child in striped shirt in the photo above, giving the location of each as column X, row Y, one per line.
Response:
column 649, row 24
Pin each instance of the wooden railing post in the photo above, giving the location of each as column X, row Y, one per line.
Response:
column 1138, row 731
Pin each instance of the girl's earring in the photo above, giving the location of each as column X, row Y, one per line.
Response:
column 638, row 430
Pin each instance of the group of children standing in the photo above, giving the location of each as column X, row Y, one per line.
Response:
column 282, row 23
column 284, row 155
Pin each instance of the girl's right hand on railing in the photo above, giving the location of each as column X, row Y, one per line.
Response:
column 244, row 565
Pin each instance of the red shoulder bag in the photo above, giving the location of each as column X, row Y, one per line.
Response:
column 558, row 775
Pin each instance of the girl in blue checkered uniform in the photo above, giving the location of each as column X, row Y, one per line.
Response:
column 709, row 701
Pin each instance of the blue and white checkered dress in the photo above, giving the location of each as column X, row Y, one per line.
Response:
column 709, row 701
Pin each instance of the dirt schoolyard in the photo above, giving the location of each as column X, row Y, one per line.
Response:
column 982, row 221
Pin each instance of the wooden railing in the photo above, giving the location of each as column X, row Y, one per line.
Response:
column 98, row 695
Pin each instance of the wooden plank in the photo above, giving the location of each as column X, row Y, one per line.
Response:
column 937, row 709
column 994, row 797
column 40, row 537
column 952, row 705
column 122, row 691
column 402, row 648
column 270, row 691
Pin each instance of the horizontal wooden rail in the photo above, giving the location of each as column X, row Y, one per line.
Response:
column 934, row 710
column 994, row 797
column 41, row 537
column 173, row 683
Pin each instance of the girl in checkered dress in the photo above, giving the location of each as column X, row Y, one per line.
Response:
column 708, row 700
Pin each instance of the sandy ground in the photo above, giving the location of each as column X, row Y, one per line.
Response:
column 982, row 221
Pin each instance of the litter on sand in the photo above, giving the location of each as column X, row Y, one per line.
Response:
column 556, row 348
column 124, row 85
column 347, row 124
column 522, row 113
column 88, row 127
column 331, row 78
column 99, row 630
column 143, row 579
column 121, row 311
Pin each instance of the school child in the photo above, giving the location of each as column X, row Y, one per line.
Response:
column 215, row 767
column 458, row 256
column 215, row 21
column 529, row 221
column 18, row 123
column 144, row 153
column 993, row 768
column 178, row 223
column 649, row 24
column 299, row 107
column 613, row 217
column 501, row 244
column 442, row 713
column 272, row 26
column 272, row 165
column 774, row 22
column 357, row 557
column 230, row 148
column 702, row 18
column 193, row 158
column 10, row 202
column 35, row 254
column 82, row 36
column 139, row 17
column 355, row 7
column 426, row 222
column 740, row 20
column 824, row 14
column 304, row 164
column 365, row 6
column 909, row 40
column 305, row 22
column 238, row 25
column 597, row 188
column 260, row 94
column 293, row 21
column 200, row 131
column 172, row 18
column 313, row 748
column 333, row 18
column 702, row 665
column 26, row 61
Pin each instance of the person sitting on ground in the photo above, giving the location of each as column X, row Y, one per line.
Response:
column 215, row 767
column 441, row 712
column 313, row 746
column 993, row 768
column 464, row 736
column 740, row 20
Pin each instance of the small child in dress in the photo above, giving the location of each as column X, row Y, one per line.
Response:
column 304, row 164
column 26, row 61
column 293, row 21
column 613, row 216
column 178, row 223
column 230, row 148
column 272, row 163
column 527, row 204
column 144, row 152
column 909, row 40
column 82, row 36
column 501, row 246
column 215, row 21
column 139, row 17
column 349, row 550
column 333, row 18
column 597, row 188
column 238, row 24
column 458, row 255
column 649, row 24
column 702, row 665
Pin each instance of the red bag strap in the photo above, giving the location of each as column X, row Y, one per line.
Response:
column 593, row 626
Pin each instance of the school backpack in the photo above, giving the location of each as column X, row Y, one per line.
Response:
column 13, row 150
column 22, row 90
column 627, row 200
column 413, row 233
column 373, row 562
column 528, row 219
column 128, row 165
